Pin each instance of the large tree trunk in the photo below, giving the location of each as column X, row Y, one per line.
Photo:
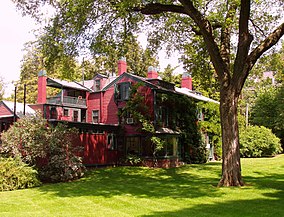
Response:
column 231, row 165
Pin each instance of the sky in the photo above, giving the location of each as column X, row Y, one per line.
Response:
column 15, row 32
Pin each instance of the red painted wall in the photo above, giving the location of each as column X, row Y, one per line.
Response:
column 96, row 151
column 93, row 103
column 4, row 110
column 109, row 107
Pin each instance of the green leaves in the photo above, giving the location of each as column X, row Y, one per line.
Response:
column 268, row 110
column 14, row 174
column 258, row 142
column 51, row 150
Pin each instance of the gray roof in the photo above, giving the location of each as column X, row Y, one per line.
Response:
column 192, row 94
column 19, row 108
column 53, row 82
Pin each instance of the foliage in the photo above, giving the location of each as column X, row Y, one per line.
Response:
column 63, row 161
column 197, row 62
column 168, row 75
column 268, row 110
column 211, row 125
column 184, row 113
column 133, row 159
column 49, row 149
column 139, row 111
column 2, row 88
column 14, row 174
column 258, row 142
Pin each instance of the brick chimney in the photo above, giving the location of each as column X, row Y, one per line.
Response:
column 152, row 73
column 122, row 66
column 186, row 81
column 41, row 87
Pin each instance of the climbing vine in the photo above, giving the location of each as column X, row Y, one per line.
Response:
column 182, row 118
column 139, row 111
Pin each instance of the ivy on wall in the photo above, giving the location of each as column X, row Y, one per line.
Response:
column 182, row 118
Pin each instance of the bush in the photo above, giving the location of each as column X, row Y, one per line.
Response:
column 14, row 174
column 63, row 163
column 258, row 142
column 49, row 149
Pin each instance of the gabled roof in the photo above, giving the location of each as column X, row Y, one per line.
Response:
column 177, row 90
column 53, row 82
column 134, row 77
column 19, row 109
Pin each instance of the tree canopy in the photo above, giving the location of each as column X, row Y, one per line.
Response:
column 235, row 32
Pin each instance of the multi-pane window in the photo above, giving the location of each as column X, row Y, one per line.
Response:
column 122, row 91
column 133, row 145
column 163, row 116
column 95, row 116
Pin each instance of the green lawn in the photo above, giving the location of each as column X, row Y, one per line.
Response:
column 132, row 191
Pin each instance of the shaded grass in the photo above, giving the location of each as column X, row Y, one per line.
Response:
column 135, row 191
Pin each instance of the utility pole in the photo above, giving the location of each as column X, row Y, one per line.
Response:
column 25, row 86
column 15, row 103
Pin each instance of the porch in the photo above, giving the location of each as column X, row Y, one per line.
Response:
column 67, row 101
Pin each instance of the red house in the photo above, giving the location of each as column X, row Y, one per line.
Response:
column 93, row 106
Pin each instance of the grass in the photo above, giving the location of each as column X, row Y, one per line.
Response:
column 132, row 191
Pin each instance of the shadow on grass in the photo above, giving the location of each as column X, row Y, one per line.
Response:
column 270, row 205
column 235, row 208
column 191, row 181
column 184, row 182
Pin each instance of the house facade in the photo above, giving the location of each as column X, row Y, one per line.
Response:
column 97, row 108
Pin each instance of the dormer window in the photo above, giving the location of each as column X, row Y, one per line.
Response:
column 97, row 85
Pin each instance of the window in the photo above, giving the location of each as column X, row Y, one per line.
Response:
column 65, row 112
column 97, row 85
column 122, row 91
column 111, row 142
column 53, row 113
column 133, row 145
column 163, row 116
column 95, row 116
column 76, row 116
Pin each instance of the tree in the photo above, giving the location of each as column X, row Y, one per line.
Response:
column 168, row 75
column 268, row 111
column 235, row 32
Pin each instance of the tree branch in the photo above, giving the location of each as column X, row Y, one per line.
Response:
column 245, row 39
column 206, row 30
column 226, row 34
column 214, row 26
column 265, row 45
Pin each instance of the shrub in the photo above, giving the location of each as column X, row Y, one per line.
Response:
column 63, row 164
column 14, row 174
column 258, row 141
column 49, row 149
